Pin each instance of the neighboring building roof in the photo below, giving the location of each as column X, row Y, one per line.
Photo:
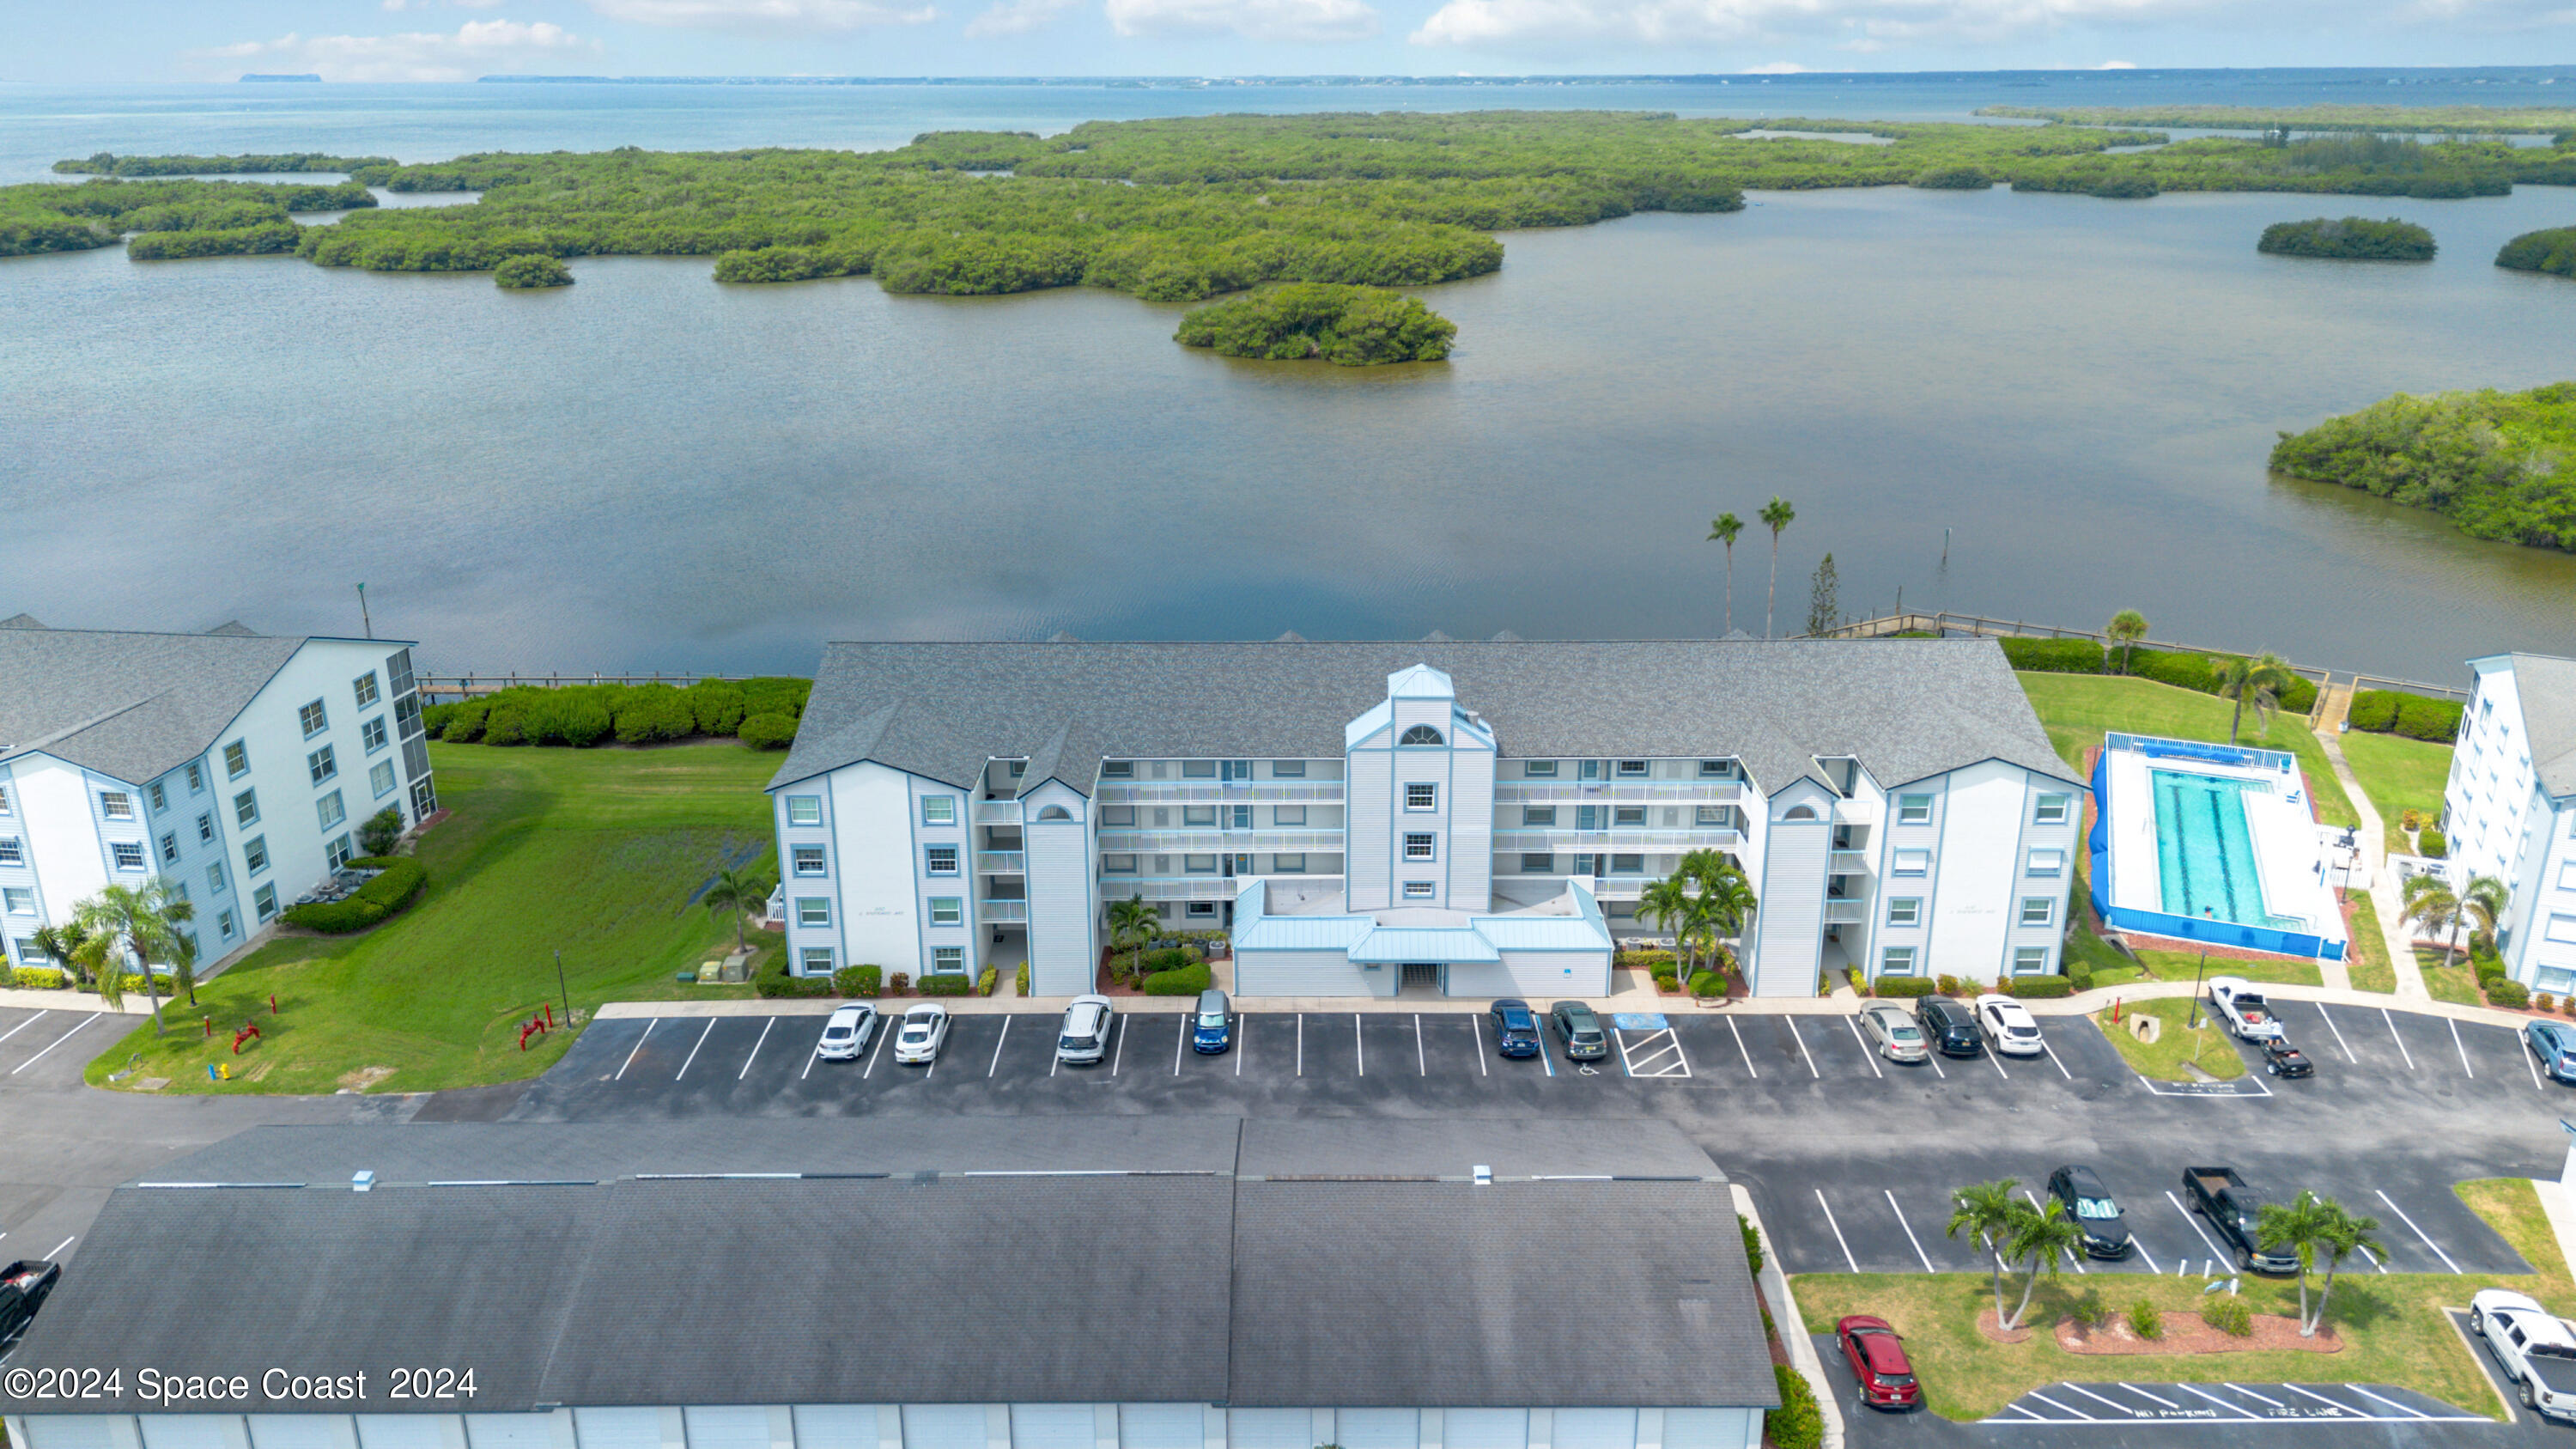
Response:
column 2546, row 685
column 1907, row 709
column 128, row 705
column 1346, row 1262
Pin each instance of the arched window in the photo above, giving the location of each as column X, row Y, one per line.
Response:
column 1800, row 812
column 1055, row 812
column 1421, row 735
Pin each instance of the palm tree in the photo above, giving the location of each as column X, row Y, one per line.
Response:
column 2298, row 1226
column 1723, row 529
column 1133, row 923
column 740, row 892
column 2483, row 905
column 2257, row 681
column 1669, row 903
column 2430, row 903
column 2343, row 1235
column 62, row 944
column 130, row 923
column 1986, row 1212
column 1778, row 514
column 2045, row 1236
column 183, row 964
column 2127, row 627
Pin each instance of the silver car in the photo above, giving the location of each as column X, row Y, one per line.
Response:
column 1892, row 1031
column 1085, row 1039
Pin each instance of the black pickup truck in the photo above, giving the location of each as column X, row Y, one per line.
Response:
column 2232, row 1207
column 23, row 1286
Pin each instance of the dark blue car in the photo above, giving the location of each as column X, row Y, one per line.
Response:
column 1212, row 1027
column 1515, row 1028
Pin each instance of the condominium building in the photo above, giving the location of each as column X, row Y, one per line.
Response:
column 2510, row 808
column 232, row 766
column 1463, row 818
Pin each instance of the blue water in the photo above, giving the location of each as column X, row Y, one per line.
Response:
column 2205, row 849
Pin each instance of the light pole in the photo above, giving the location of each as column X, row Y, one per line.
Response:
column 2195, row 990
column 560, row 986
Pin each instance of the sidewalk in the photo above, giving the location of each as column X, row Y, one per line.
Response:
column 134, row 1005
column 2372, row 836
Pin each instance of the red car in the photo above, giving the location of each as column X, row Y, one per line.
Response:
column 1877, row 1359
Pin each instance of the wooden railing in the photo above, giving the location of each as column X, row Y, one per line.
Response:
column 1979, row 627
column 461, row 686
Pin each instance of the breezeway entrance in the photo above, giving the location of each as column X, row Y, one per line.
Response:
column 1425, row 974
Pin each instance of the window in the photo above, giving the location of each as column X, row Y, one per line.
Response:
column 1627, row 814
column 364, row 686
column 1587, row 865
column 1238, row 817
column 1913, row 809
column 115, row 804
column 215, row 880
column 1591, row 769
column 1905, row 910
column 1117, row 865
column 246, row 808
column 159, row 800
column 939, row 859
column 947, row 959
column 170, row 849
column 804, row 809
column 1421, row 847
column 947, row 910
column 1422, row 734
column 1799, row 812
column 1118, row 769
column 1421, row 796
column 407, row 716
column 2030, row 961
column 372, row 734
column 1632, row 769
column 1019, row 768
column 322, row 764
column 2567, row 875
column 1198, row 769
column 1541, row 815
column 2038, row 910
column 2561, row 929
column 1288, row 815
column 1896, row 961
column 1201, row 909
column 314, row 718
column 1238, row 770
column 19, row 900
column 128, row 854
column 11, row 852
column 1913, row 862
column 1708, row 815
column 1201, row 816
column 808, row 859
column 341, row 851
column 1287, row 769
column 1288, row 864
column 236, row 760
column 2047, row 862
column 1198, row 864
column 1117, row 815
column 1716, row 769
column 224, row 923
column 1539, row 769
column 263, row 901
column 2051, row 810
column 1418, row 890
column 817, row 960
column 178, row 890
column 255, row 854
column 1627, row 865
column 196, row 785
column 1537, row 862
column 205, row 828
column 938, row 809
column 813, row 910
column 4, row 799
column 380, row 780
column 30, row 954
column 329, row 810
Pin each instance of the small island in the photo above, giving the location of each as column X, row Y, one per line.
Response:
column 2349, row 238
column 530, row 272
column 2502, row 465
column 2552, row 251
column 1349, row 326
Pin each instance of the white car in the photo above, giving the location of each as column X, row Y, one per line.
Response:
column 2243, row 1010
column 2008, row 1026
column 1085, row 1039
column 925, row 1031
column 847, row 1034
column 2533, row 1347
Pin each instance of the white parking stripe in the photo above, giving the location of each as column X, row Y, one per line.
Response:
column 2052, row 1056
column 57, row 1041
column 2249, row 1393
column 1301, row 1043
column 2018, row 1409
column 2151, row 1398
column 2336, row 1404
column 1909, row 1230
column 2079, row 1251
column 2142, row 1252
column 65, row 1243
column 692, row 1057
column 883, row 1031
column 2392, row 1403
column 1802, row 1046
column 1242, row 1041
column 639, row 1046
column 1838, row 1230
column 1179, row 1041
column 2458, row 1046
column 2213, row 1398
column 1478, row 1035
column 2376, row 1261
column 1934, row 1057
column 2195, row 1222
column 22, row 1026
column 1995, row 1059
column 2338, row 1033
column 1866, row 1054
column 1360, row 1045
column 2419, row 1232
column 2528, row 1060
column 2097, row 1398
column 2063, row 1409
column 1421, row 1063
column 811, row 1058
column 2393, row 1036
column 1748, row 1058
column 1543, row 1057
column 755, row 1049
column 1118, row 1054
column 997, row 1046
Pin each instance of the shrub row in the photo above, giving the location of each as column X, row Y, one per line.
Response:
column 2054, row 656
column 2039, row 988
column 1904, row 987
column 762, row 713
column 858, row 980
column 1798, row 1423
column 2507, row 993
column 39, row 978
column 1707, row 983
column 2230, row 1316
column 944, row 983
column 386, row 895
column 2431, row 844
column 2198, row 672
column 1752, row 1244
column 1187, row 980
column 777, row 984
column 2388, row 711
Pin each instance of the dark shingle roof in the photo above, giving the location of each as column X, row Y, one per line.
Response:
column 130, row 706
column 1906, row 709
column 2546, row 686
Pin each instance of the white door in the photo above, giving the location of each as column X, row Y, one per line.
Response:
column 1485, row 1429
column 1270, row 1428
column 1594, row 1429
column 1378, row 1428
column 1161, row 1426
column 1052, row 1426
column 617, row 1428
column 943, row 1426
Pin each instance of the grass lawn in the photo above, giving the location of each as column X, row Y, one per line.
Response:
column 2110, row 967
column 595, row 852
column 2174, row 1045
column 2456, row 984
column 2284, row 971
column 2078, row 709
column 2393, row 1326
column 2368, row 958
column 2398, row 774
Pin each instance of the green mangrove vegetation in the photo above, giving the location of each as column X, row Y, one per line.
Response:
column 530, row 272
column 2400, row 120
column 2551, row 251
column 1351, row 326
column 2351, row 238
column 166, row 218
column 108, row 163
column 2501, row 465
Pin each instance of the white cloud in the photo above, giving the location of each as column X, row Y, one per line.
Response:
column 1015, row 17
column 785, row 16
column 393, row 6
column 1293, row 20
column 479, row 47
column 1775, row 67
column 2117, row 65
column 1862, row 25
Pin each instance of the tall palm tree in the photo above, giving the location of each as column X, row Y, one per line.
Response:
column 2298, row 1226
column 183, row 965
column 2342, row 1236
column 61, row 944
column 2431, row 904
column 1723, row 529
column 1133, row 923
column 2127, row 627
column 1778, row 514
column 2044, row 1237
column 1985, row 1212
column 2257, row 681
column 741, row 892
column 133, row 923
column 1671, row 904
column 2483, row 904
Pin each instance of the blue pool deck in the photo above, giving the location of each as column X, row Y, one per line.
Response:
column 2210, row 843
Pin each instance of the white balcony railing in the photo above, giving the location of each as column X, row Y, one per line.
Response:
column 1218, row 842
column 1668, row 792
column 1239, row 792
column 1001, row 862
column 1846, row 913
column 1598, row 841
column 1850, row 862
column 997, row 812
column 1001, row 910
column 1170, row 887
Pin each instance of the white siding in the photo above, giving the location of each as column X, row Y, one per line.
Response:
column 1471, row 826
column 836, row 1426
column 302, row 1431
column 1789, row 926
column 192, row 1431
column 1270, row 1428
column 410, row 1431
column 510, row 1431
column 944, row 1426
column 618, row 1428
column 1161, row 1426
column 728, row 1426
column 1378, row 1428
column 1485, row 1429
column 1712, row 1428
column 1977, row 876
column 1554, row 974
column 1063, row 959
column 872, row 872
column 1300, row 973
column 959, row 834
column 79, row 1431
column 55, row 818
column 1594, row 1429
column 1369, row 842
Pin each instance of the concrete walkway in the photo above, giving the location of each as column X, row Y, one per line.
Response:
column 2372, row 836
column 81, row 1001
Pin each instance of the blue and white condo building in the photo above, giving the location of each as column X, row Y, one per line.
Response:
column 2510, row 809
column 1467, row 818
column 234, row 767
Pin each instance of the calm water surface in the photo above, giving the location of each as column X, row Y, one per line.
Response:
column 649, row 470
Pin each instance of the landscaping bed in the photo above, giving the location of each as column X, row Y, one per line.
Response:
column 2175, row 1045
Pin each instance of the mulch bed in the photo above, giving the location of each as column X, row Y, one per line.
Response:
column 2184, row 1333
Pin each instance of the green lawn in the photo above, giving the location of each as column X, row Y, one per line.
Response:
column 595, row 852
column 2078, row 709
column 2456, row 983
column 2368, row 958
column 2209, row 1047
column 2182, row 966
column 2110, row 967
column 2398, row 774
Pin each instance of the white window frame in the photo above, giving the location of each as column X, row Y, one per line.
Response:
column 1421, row 890
column 1635, row 769
column 1538, row 769
column 236, row 760
column 1198, row 817
column 1288, row 863
column 1201, row 909
column 1120, row 863
column 116, row 854
column 12, row 850
column 2062, row 807
column 246, row 808
column 1914, row 809
column 115, row 805
column 1897, row 961
column 263, row 902
column 1711, row 815
column 947, row 960
column 380, row 779
column 254, row 856
column 808, row 861
column 2561, row 929
column 1914, row 861
column 2045, row 915
column 160, row 799
column 340, row 851
column 215, row 880
column 2046, row 862
column 1288, row 816
column 373, row 735
column 804, row 809
column 364, row 688
column 1911, row 908
column 1287, row 769
column 1540, row 817
column 322, row 764
column 1421, row 846
column 814, row 961
column 313, row 718
column 814, row 911
column 932, row 855
column 947, row 910
column 330, row 810
column 1421, row 796
column 20, row 900
column 938, row 809
column 2030, row 961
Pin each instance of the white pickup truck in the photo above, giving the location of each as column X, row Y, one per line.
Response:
column 2532, row 1346
column 2235, row 1002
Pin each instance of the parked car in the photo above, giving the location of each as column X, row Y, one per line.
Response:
column 1878, row 1363
column 2531, row 1345
column 1580, row 1030
column 1892, row 1031
column 24, row 1286
column 2091, row 1206
column 2242, row 1009
column 2554, row 1047
column 1515, row 1027
column 1950, row 1026
column 2284, row 1060
column 2233, row 1207
column 1213, row 1031
column 847, row 1034
column 2008, row 1025
column 1085, row 1037
column 925, row 1031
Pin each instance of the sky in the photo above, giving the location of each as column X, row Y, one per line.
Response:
column 449, row 40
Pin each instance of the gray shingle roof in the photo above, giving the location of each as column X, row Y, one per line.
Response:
column 1906, row 709
column 130, row 706
column 2546, row 685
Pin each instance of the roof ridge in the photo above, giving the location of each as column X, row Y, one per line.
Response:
column 69, row 730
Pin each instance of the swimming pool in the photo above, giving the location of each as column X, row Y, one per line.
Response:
column 2205, row 849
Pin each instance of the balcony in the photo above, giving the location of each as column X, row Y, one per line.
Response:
column 997, row 812
column 999, row 911
column 1849, row 862
column 1619, row 887
column 1846, row 913
column 1001, row 862
column 1854, row 810
column 1668, row 792
column 1218, row 842
column 1170, row 887
column 1235, row 792
column 1598, row 841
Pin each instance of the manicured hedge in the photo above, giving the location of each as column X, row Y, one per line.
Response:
column 858, row 980
column 384, row 896
column 2039, row 988
column 1170, row 958
column 2416, row 716
column 38, row 978
column 2200, row 672
column 585, row 714
column 944, row 983
column 2512, row 995
column 2054, row 656
column 2374, row 710
column 768, row 731
column 991, row 978
column 1798, row 1423
column 1903, row 987
column 2429, row 842
column 777, row 984
column 1752, row 1243
column 1707, row 983
column 1188, row 980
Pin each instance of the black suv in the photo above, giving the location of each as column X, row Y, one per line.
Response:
column 1951, row 1027
column 23, row 1288
column 2091, row 1206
